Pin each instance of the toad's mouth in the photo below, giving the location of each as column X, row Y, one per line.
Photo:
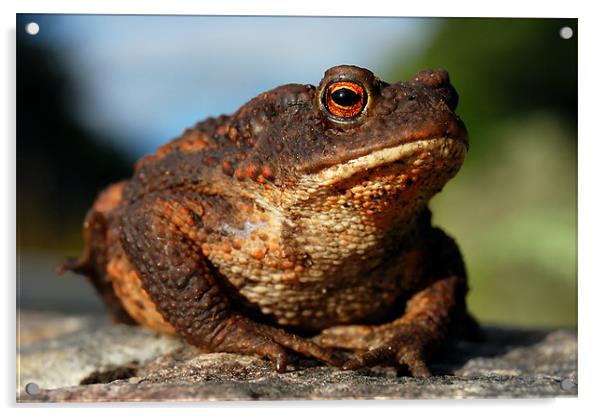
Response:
column 447, row 150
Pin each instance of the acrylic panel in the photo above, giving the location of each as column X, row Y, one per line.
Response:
column 295, row 208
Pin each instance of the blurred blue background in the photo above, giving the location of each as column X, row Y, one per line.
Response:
column 95, row 93
column 146, row 78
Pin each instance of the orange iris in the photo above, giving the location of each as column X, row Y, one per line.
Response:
column 345, row 99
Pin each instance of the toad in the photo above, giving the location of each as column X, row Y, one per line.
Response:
column 297, row 225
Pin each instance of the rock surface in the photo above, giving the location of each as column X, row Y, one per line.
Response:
column 86, row 359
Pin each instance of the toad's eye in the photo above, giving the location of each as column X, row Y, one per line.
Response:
column 344, row 99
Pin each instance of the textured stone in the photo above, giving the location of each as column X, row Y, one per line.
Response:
column 82, row 347
column 133, row 364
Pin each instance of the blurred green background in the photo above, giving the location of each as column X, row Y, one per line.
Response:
column 512, row 208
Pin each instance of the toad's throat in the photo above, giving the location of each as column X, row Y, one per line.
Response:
column 450, row 150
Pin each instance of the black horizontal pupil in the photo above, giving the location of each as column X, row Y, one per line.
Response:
column 345, row 97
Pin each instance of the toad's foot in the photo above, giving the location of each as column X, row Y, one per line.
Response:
column 406, row 341
column 245, row 336
column 399, row 344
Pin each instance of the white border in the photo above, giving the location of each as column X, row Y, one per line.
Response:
column 508, row 8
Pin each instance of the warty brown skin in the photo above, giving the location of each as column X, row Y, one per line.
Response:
column 302, row 214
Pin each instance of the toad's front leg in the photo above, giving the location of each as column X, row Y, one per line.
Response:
column 162, row 236
column 429, row 317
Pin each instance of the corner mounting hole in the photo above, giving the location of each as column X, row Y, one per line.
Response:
column 32, row 389
column 567, row 384
column 32, row 28
column 566, row 32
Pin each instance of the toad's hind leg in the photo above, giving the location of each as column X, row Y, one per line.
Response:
column 162, row 237
column 431, row 315
column 95, row 258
